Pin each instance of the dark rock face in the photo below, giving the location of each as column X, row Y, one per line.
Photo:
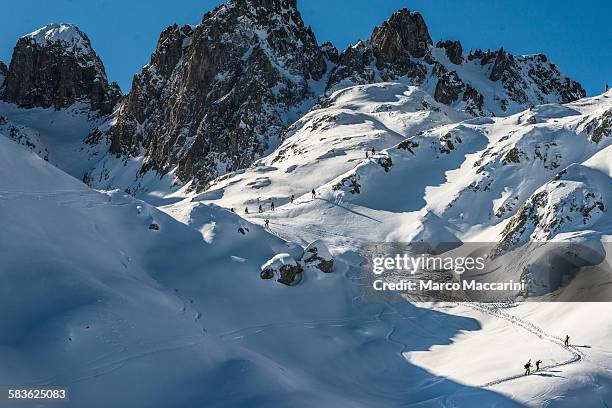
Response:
column 3, row 69
column 542, row 76
column 453, row 49
column 400, row 39
column 403, row 32
column 216, row 96
column 317, row 254
column 55, row 66
column 290, row 274
column 448, row 88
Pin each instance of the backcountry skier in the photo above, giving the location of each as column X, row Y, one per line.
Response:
column 528, row 367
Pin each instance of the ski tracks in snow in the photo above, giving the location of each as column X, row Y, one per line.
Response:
column 497, row 312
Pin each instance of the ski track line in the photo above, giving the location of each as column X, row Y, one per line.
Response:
column 494, row 311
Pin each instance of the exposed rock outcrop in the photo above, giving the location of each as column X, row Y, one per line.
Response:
column 317, row 255
column 284, row 267
column 453, row 50
column 288, row 271
column 56, row 66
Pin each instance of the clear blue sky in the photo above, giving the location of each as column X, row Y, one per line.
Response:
column 576, row 35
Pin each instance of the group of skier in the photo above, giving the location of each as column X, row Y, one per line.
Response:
column 272, row 207
column 528, row 365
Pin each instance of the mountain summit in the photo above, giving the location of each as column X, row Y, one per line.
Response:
column 216, row 96
column 55, row 66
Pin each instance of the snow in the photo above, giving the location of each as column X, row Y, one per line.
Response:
column 164, row 318
column 69, row 35
column 93, row 299
column 320, row 249
column 279, row 260
column 429, row 194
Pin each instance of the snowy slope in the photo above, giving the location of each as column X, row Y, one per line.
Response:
column 458, row 182
column 180, row 317
column 476, row 174
column 58, row 134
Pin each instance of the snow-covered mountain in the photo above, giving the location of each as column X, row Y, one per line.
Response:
column 55, row 66
column 53, row 94
column 175, row 297
column 481, row 83
column 211, row 102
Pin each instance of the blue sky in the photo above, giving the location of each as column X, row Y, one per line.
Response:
column 575, row 35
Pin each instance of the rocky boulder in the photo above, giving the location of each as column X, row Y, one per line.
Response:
column 284, row 267
column 317, row 254
column 55, row 66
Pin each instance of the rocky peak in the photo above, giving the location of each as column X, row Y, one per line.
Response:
column 330, row 52
column 218, row 95
column 453, row 50
column 55, row 66
column 401, row 48
column 403, row 32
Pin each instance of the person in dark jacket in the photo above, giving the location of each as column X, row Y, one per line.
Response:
column 528, row 367
column 313, row 192
column 538, row 365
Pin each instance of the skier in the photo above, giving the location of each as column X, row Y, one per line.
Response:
column 232, row 209
column 366, row 154
column 607, row 88
column 373, row 151
column 272, row 206
column 246, row 210
column 314, row 194
column 566, row 341
column 260, row 208
column 267, row 224
column 292, row 198
column 528, row 367
column 538, row 365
